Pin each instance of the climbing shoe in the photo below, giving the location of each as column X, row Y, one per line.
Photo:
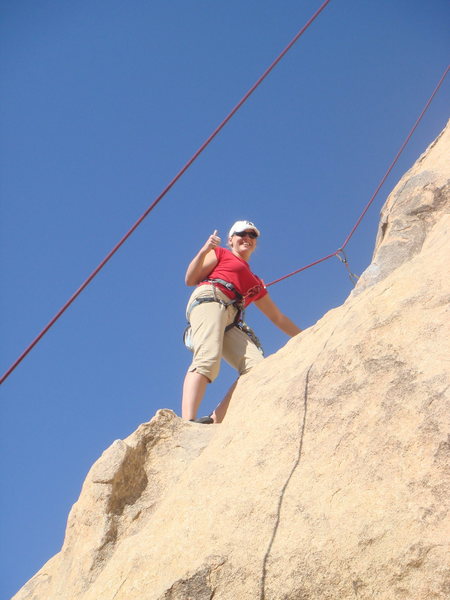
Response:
column 203, row 420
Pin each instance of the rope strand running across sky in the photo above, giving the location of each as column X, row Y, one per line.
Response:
column 107, row 258
column 190, row 162
column 102, row 105
column 374, row 195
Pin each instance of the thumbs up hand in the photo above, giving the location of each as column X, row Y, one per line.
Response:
column 213, row 241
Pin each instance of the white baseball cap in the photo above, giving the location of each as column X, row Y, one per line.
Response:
column 241, row 226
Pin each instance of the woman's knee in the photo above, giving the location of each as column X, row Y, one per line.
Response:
column 209, row 369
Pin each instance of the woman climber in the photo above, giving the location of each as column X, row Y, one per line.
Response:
column 225, row 286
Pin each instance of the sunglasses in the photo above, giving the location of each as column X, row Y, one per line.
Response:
column 251, row 234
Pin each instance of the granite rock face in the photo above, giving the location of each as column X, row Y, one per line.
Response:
column 329, row 478
column 417, row 202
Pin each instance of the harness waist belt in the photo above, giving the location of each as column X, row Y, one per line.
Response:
column 212, row 299
column 226, row 284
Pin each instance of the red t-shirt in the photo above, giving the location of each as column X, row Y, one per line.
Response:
column 236, row 270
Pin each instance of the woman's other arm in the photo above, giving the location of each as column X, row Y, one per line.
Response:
column 203, row 262
column 267, row 306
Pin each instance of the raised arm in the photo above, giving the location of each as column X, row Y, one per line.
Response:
column 267, row 306
column 203, row 262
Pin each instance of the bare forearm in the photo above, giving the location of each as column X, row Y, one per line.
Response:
column 271, row 310
column 287, row 326
column 195, row 269
column 203, row 262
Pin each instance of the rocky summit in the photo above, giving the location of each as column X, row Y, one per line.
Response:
column 328, row 479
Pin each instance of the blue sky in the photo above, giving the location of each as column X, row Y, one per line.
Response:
column 102, row 104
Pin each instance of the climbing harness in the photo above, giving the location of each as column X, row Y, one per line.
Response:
column 251, row 334
column 238, row 322
column 187, row 335
column 236, row 301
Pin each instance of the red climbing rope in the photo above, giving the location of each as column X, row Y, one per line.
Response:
column 366, row 208
column 164, row 192
column 316, row 262
column 397, row 156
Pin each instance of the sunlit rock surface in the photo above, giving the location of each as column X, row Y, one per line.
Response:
column 329, row 478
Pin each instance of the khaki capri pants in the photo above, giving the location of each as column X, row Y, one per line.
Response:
column 210, row 340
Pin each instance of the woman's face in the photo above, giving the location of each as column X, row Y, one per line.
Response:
column 243, row 244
